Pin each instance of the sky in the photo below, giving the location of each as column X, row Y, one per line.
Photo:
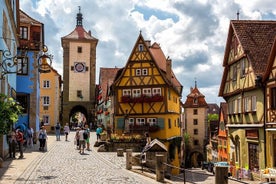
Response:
column 192, row 33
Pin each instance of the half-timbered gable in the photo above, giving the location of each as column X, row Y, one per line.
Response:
column 247, row 53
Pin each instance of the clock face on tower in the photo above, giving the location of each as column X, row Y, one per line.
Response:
column 79, row 67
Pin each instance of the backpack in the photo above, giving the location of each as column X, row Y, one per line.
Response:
column 57, row 127
column 85, row 135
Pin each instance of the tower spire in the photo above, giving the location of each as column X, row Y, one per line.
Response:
column 195, row 83
column 79, row 17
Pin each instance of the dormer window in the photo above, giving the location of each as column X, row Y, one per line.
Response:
column 195, row 100
column 141, row 47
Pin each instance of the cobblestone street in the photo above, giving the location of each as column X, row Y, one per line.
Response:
column 62, row 163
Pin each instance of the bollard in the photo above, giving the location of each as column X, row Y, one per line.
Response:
column 120, row 152
column 160, row 174
column 129, row 159
column 221, row 175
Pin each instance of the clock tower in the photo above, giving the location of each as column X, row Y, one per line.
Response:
column 79, row 69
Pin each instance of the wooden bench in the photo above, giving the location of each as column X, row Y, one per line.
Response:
column 268, row 174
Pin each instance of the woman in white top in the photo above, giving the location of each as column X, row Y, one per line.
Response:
column 66, row 131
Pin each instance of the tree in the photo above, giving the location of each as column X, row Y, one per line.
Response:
column 9, row 113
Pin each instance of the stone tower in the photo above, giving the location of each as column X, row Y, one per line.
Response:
column 79, row 69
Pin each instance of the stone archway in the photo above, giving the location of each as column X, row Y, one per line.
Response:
column 78, row 116
column 196, row 159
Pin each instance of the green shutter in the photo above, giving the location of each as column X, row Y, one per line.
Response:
column 120, row 123
column 160, row 122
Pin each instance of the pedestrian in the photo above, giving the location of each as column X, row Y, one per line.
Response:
column 109, row 131
column 20, row 140
column 42, row 136
column 12, row 143
column 30, row 133
column 66, row 131
column 77, row 138
column 57, row 127
column 98, row 132
column 82, row 141
column 87, row 140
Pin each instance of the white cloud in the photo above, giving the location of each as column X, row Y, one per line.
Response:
column 192, row 32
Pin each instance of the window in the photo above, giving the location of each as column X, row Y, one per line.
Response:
column 144, row 71
column 24, row 33
column 140, row 121
column 196, row 142
column 136, row 92
column 152, row 121
column 195, row 122
column 46, row 100
column 273, row 98
column 138, row 72
column 195, row 100
column 195, row 111
column 239, row 105
column 156, row 91
column 169, row 123
column 131, row 121
column 234, row 106
column 246, row 104
column 23, row 101
column 147, row 92
column 46, row 84
column 195, row 131
column 79, row 94
column 141, row 47
column 234, row 72
column 46, row 119
column 22, row 66
column 254, row 103
column 79, row 49
column 126, row 92
column 242, row 67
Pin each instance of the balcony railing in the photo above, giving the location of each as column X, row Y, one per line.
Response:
column 142, row 99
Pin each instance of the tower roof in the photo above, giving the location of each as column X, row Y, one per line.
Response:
column 79, row 32
column 195, row 98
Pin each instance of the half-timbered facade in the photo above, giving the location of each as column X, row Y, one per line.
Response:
column 245, row 61
column 147, row 96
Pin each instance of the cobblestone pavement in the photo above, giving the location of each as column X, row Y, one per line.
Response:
column 63, row 164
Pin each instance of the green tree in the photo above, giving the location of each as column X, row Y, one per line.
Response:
column 213, row 117
column 9, row 113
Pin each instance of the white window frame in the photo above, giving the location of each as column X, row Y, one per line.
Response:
column 247, row 104
column 131, row 121
column 144, row 71
column 254, row 103
column 138, row 72
column 46, row 100
column 136, row 93
column 126, row 92
column 46, row 84
column 156, row 91
column 239, row 105
column 24, row 32
column 152, row 121
column 140, row 121
column 147, row 92
column 141, row 47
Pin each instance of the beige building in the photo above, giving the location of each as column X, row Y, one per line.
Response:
column 195, row 110
column 79, row 69
column 50, row 98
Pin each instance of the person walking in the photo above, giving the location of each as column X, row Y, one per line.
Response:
column 42, row 136
column 87, row 140
column 98, row 132
column 66, row 131
column 20, row 140
column 77, row 138
column 30, row 133
column 12, row 143
column 58, row 131
column 82, row 141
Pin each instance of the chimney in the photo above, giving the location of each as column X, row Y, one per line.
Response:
column 169, row 68
column 148, row 43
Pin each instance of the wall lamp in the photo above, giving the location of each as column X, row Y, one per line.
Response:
column 8, row 62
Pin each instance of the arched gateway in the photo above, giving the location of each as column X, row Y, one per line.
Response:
column 79, row 69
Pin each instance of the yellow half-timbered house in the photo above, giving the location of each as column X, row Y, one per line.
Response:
column 147, row 97
column 247, row 52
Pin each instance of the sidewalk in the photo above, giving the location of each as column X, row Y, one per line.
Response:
column 13, row 168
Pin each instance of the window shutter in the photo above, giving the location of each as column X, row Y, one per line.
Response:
column 120, row 123
column 160, row 122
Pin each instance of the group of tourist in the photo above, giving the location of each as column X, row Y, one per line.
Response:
column 82, row 139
